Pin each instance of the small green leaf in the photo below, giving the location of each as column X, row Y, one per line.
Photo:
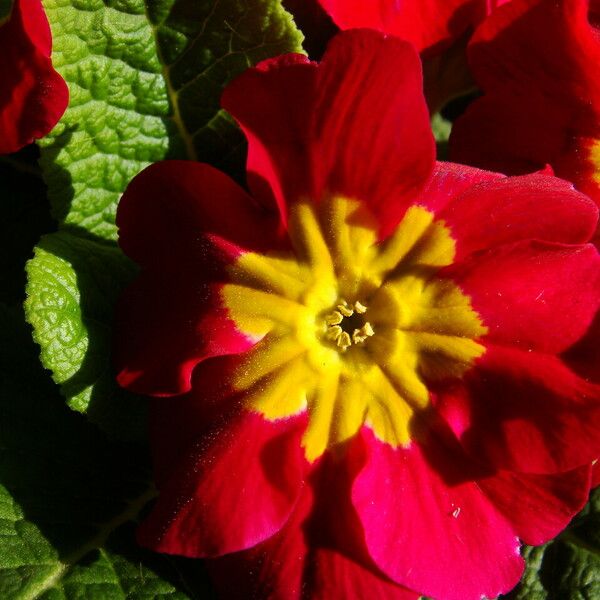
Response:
column 73, row 283
column 5, row 10
column 69, row 498
column 441, row 128
column 567, row 568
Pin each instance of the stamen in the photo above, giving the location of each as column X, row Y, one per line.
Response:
column 361, row 309
column 345, row 319
column 360, row 335
column 335, row 318
column 345, row 309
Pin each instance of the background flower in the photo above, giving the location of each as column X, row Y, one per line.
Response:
column 541, row 102
column 33, row 96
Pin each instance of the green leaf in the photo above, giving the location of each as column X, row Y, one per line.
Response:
column 441, row 128
column 145, row 80
column 73, row 283
column 567, row 568
column 69, row 498
column 5, row 10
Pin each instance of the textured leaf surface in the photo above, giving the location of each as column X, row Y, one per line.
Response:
column 567, row 568
column 68, row 497
column 145, row 80
column 73, row 285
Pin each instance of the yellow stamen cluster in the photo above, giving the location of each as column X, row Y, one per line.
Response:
column 335, row 325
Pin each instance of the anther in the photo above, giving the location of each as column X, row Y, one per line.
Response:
column 345, row 309
column 360, row 335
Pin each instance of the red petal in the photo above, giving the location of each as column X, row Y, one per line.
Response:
column 371, row 132
column 172, row 220
column 165, row 325
column 524, row 411
column 533, row 295
column 176, row 424
column 429, row 527
column 428, row 24
column 584, row 356
column 273, row 570
column 273, row 103
column 539, row 507
column 33, row 95
column 312, row 132
column 237, row 488
column 339, row 578
column 170, row 210
column 503, row 210
column 289, row 567
column 542, row 101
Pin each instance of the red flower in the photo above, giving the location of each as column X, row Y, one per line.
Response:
column 428, row 24
column 370, row 344
column 33, row 96
column 536, row 61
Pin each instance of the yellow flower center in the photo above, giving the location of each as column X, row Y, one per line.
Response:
column 345, row 325
column 349, row 328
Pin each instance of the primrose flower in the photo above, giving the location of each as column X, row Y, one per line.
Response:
column 34, row 96
column 541, row 102
column 369, row 345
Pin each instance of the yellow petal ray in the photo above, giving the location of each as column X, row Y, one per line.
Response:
column 282, row 393
column 321, row 405
column 308, row 241
column 277, row 275
column 257, row 312
column 442, row 356
column 267, row 356
column 388, row 414
column 411, row 229
column 350, row 232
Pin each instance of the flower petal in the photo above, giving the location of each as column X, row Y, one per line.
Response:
column 524, row 411
column 182, row 222
column 237, row 488
column 428, row 24
column 503, row 210
column 171, row 211
column 33, row 95
column 525, row 293
column 274, row 569
column 542, row 101
column 289, row 567
column 539, row 507
column 407, row 497
column 272, row 104
column 311, row 133
column 365, row 145
column 336, row 577
column 165, row 325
